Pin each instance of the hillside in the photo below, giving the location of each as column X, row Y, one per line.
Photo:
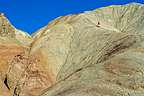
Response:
column 95, row 53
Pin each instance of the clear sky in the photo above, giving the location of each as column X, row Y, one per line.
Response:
column 30, row 15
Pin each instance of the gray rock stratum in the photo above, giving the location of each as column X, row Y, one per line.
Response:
column 95, row 53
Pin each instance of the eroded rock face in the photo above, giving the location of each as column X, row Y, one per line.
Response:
column 96, row 53
column 30, row 75
column 4, row 90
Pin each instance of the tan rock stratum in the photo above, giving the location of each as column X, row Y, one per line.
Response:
column 95, row 53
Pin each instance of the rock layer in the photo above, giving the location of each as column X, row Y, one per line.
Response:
column 95, row 53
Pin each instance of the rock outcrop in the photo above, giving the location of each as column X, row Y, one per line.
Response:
column 95, row 53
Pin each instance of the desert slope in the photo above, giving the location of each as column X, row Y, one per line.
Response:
column 95, row 53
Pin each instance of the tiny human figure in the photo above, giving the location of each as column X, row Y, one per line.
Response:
column 98, row 25
column 1, row 14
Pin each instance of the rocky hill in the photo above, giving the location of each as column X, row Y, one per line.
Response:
column 95, row 53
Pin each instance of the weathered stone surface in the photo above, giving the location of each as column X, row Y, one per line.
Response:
column 95, row 53
column 98, row 53
column 3, row 90
column 11, row 44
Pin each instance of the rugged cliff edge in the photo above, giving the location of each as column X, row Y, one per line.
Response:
column 95, row 53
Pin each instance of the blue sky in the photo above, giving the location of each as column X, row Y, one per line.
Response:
column 30, row 15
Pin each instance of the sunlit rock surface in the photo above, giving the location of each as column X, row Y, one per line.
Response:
column 95, row 53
